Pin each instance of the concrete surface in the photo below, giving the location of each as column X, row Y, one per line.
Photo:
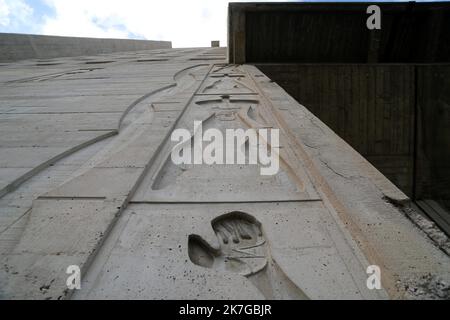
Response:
column 14, row 47
column 98, row 190
column 385, row 90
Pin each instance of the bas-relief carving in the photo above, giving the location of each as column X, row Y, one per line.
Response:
column 227, row 83
column 177, row 182
column 244, row 250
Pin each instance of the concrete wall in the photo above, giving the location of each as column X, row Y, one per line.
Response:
column 433, row 125
column 337, row 33
column 369, row 106
column 15, row 47
column 396, row 116
column 386, row 92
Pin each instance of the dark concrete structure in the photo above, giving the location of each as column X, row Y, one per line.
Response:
column 14, row 47
column 384, row 91
column 337, row 33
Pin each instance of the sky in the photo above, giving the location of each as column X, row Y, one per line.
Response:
column 187, row 23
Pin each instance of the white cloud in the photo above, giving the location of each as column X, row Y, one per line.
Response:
column 186, row 23
column 14, row 13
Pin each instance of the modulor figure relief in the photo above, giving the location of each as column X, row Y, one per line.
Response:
column 244, row 250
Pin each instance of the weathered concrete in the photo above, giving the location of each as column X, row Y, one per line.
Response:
column 308, row 32
column 151, row 263
column 14, row 47
column 384, row 91
column 141, row 227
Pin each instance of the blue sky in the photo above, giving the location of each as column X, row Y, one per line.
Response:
column 187, row 23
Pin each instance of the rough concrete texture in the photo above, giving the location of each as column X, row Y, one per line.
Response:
column 15, row 47
column 87, row 180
